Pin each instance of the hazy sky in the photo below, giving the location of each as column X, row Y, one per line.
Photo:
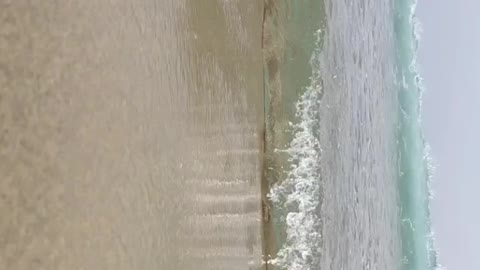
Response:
column 450, row 63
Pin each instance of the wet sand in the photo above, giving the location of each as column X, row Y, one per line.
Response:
column 131, row 134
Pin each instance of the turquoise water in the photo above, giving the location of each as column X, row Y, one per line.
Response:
column 356, row 194
column 414, row 175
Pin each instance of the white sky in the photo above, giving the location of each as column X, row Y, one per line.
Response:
column 449, row 60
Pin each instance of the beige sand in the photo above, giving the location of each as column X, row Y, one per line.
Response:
column 131, row 134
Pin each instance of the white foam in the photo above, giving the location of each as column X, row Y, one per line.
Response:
column 300, row 192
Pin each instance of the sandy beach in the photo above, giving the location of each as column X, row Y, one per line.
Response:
column 131, row 134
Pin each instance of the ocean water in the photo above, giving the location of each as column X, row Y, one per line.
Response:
column 354, row 192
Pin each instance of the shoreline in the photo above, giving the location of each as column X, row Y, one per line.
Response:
column 287, row 70
column 271, row 53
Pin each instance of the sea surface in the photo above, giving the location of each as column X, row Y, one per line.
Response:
column 353, row 192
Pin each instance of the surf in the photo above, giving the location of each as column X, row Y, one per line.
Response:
column 415, row 166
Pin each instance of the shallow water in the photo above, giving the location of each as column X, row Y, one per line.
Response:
column 356, row 135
